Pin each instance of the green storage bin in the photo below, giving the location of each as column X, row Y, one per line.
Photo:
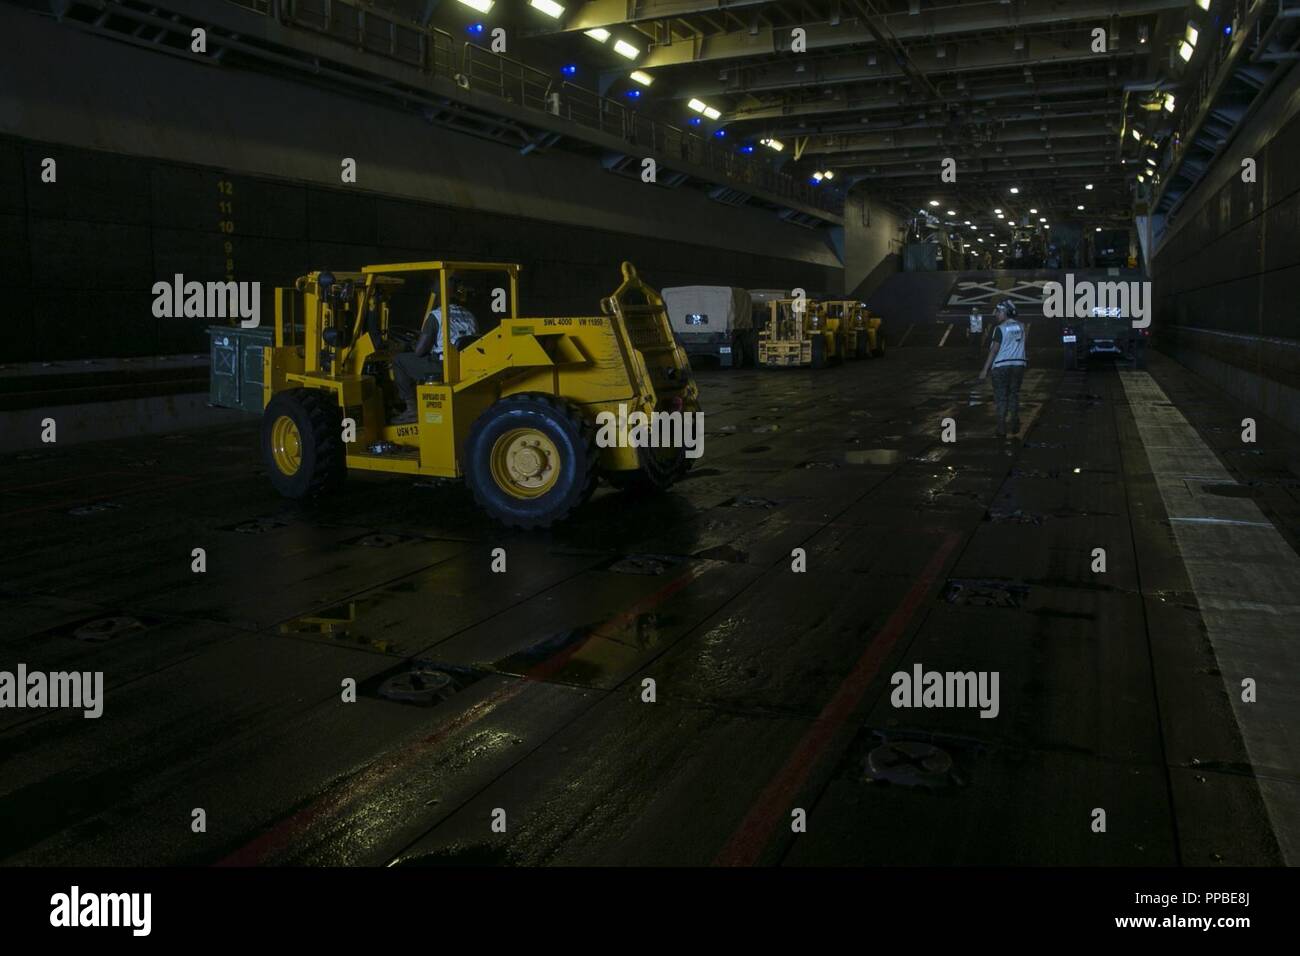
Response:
column 235, row 373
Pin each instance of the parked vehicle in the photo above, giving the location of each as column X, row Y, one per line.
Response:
column 714, row 321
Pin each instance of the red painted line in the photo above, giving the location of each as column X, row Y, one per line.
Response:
column 774, row 803
column 336, row 799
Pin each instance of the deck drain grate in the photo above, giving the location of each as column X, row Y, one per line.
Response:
column 1016, row 517
column 981, row 592
column 650, row 564
column 421, row 682
column 910, row 763
column 724, row 552
column 748, row 501
column 420, row 685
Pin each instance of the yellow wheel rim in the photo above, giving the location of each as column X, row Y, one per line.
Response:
column 525, row 463
column 286, row 445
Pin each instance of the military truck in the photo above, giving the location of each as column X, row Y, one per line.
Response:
column 1104, row 332
column 1110, row 248
column 715, row 321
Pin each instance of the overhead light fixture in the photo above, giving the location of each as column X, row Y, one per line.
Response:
column 1150, row 161
column 818, row 177
column 1185, row 50
column 1033, row 212
column 548, row 7
column 1192, row 34
column 952, row 212
column 1089, row 186
column 997, row 212
column 482, row 6
column 1015, row 190
column 1203, row 4
column 829, row 174
column 623, row 48
column 645, row 79
column 599, row 35
column 966, row 223
column 1000, row 216
column 1098, row 229
column 934, row 202
column 1080, row 208
column 775, row 144
column 697, row 105
column 711, row 113
column 1141, row 178
column 1169, row 102
column 1042, row 219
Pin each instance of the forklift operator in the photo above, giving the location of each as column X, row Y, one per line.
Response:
column 425, row 359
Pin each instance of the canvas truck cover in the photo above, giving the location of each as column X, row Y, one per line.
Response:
column 708, row 309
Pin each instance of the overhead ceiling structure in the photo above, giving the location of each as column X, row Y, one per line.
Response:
column 1088, row 111
column 1022, row 94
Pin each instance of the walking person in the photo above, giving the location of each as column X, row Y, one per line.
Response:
column 1008, row 353
column 975, row 328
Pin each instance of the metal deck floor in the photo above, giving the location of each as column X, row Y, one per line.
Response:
column 223, row 689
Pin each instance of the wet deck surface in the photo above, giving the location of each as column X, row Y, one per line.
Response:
column 223, row 689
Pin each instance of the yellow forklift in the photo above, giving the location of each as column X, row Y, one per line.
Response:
column 798, row 333
column 863, row 335
column 512, row 411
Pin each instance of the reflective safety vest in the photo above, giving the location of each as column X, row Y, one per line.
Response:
column 1010, row 336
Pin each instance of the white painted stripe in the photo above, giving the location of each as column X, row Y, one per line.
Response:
column 1242, row 571
column 1251, row 524
column 906, row 334
column 946, row 332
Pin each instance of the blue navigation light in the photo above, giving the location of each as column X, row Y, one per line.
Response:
column 720, row 133
column 634, row 94
column 695, row 121
column 569, row 70
column 474, row 28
